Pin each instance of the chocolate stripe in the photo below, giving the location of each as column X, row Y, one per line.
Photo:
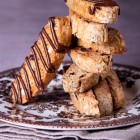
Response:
column 38, row 80
column 27, row 82
column 24, row 87
column 98, row 3
column 50, row 67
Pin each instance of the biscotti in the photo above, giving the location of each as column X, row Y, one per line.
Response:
column 88, row 31
column 116, row 90
column 44, row 59
column 91, row 61
column 101, row 11
column 103, row 96
column 94, row 102
column 115, row 44
column 86, row 103
column 77, row 80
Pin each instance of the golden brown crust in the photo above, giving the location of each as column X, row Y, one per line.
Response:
column 103, row 96
column 90, row 61
column 77, row 80
column 86, row 103
column 115, row 44
column 106, row 14
column 88, row 31
column 116, row 90
column 63, row 32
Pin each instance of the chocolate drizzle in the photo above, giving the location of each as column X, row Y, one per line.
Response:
column 98, row 3
column 19, row 86
column 28, row 83
column 23, row 85
column 13, row 90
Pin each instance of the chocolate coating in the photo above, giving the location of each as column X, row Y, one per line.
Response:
column 98, row 3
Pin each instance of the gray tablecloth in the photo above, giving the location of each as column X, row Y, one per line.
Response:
column 10, row 132
column 20, row 24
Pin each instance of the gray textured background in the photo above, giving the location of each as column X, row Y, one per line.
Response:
column 22, row 20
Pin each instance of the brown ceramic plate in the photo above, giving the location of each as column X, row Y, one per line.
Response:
column 54, row 111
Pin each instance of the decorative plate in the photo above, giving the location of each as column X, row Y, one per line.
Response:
column 53, row 109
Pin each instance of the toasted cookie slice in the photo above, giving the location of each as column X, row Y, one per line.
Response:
column 86, row 103
column 115, row 44
column 116, row 90
column 77, row 80
column 43, row 61
column 91, row 61
column 103, row 96
column 88, row 31
column 101, row 11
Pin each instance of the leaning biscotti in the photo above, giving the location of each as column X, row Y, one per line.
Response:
column 100, row 11
column 88, row 31
column 43, row 61
column 77, row 80
column 86, row 103
column 116, row 89
column 115, row 44
column 91, row 61
column 103, row 96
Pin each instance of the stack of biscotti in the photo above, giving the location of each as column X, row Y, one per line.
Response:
column 93, row 86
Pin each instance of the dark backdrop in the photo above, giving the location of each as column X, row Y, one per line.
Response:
column 22, row 20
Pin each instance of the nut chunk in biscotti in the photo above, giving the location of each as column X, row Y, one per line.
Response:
column 86, row 103
column 91, row 61
column 77, row 80
column 44, row 59
column 116, row 90
column 101, row 11
column 103, row 95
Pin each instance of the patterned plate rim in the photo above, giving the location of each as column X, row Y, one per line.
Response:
column 129, row 121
